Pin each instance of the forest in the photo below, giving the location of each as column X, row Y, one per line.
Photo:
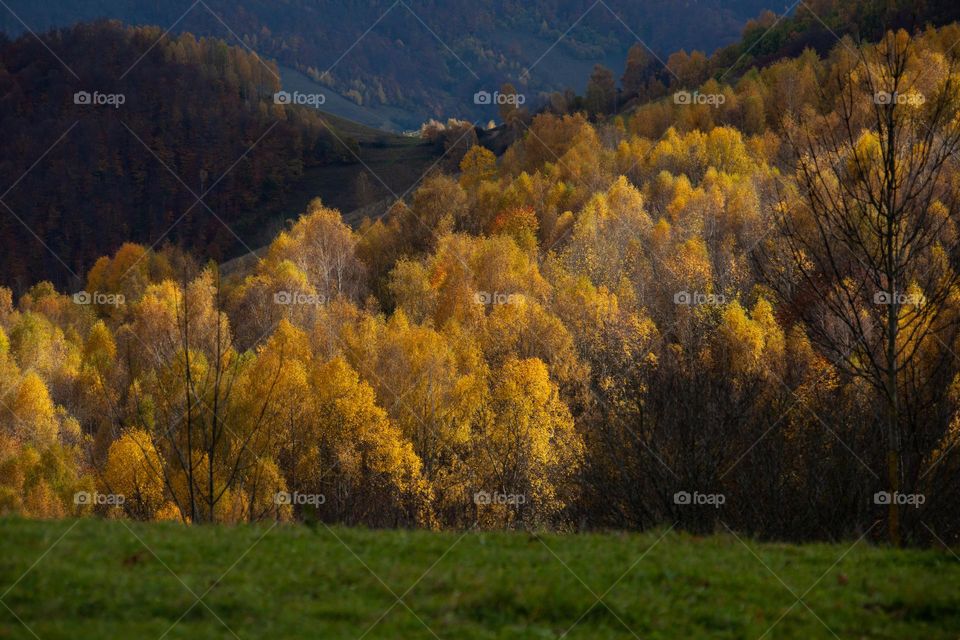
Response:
column 427, row 57
column 742, row 309
column 201, row 109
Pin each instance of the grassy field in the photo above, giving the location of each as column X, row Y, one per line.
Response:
column 112, row 579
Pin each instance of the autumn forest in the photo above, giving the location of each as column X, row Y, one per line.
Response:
column 683, row 297
column 423, row 319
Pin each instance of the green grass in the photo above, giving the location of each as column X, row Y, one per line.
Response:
column 103, row 580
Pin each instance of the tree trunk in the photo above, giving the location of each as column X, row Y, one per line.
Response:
column 893, row 466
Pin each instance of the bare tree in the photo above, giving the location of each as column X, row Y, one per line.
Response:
column 869, row 235
column 194, row 412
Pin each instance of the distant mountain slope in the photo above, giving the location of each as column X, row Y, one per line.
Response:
column 425, row 57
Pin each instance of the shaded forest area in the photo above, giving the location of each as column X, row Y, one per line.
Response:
column 427, row 57
column 197, row 117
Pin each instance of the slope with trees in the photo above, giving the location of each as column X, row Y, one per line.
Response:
column 736, row 315
column 427, row 57
column 192, row 150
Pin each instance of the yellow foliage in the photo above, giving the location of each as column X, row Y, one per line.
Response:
column 477, row 166
column 33, row 413
column 134, row 469
column 743, row 339
column 530, row 447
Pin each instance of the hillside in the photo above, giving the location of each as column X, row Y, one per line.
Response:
column 815, row 27
column 108, row 579
column 818, row 24
column 674, row 356
column 425, row 58
column 183, row 119
column 613, row 314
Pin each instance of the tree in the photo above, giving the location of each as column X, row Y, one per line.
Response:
column 33, row 412
column 324, row 249
column 530, row 450
column 365, row 191
column 688, row 70
column 869, row 234
column 184, row 396
column 478, row 165
column 510, row 111
column 638, row 70
column 430, row 386
column 601, row 91
column 521, row 225
column 358, row 457
column 134, row 470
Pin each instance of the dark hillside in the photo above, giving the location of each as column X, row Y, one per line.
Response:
column 190, row 117
column 424, row 57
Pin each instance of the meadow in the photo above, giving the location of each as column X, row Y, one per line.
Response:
column 93, row 578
